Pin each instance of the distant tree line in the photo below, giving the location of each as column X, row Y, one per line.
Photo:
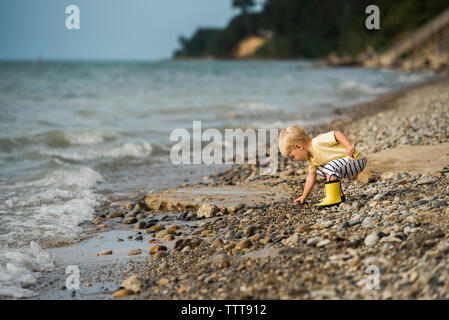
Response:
column 312, row 28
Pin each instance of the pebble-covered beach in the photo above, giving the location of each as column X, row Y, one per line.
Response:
column 393, row 227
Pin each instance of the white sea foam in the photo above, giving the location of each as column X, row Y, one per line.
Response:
column 20, row 268
column 48, row 209
column 87, row 138
column 255, row 106
column 361, row 87
column 133, row 150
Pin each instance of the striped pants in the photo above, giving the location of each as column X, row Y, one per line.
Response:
column 342, row 168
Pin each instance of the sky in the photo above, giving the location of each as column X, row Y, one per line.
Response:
column 109, row 29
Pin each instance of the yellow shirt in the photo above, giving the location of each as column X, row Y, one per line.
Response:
column 326, row 149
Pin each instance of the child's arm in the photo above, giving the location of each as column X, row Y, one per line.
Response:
column 310, row 182
column 340, row 137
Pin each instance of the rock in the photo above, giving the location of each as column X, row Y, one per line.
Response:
column 249, row 231
column 130, row 220
column 156, row 228
column 293, row 240
column 379, row 196
column 207, row 211
column 419, row 203
column 390, row 239
column 106, row 252
column 133, row 283
column 366, row 176
column 157, row 248
column 174, row 227
column 163, row 281
column 231, row 209
column 141, row 225
column 191, row 242
column 116, row 214
column 186, row 249
column 134, row 252
column 243, row 244
column 122, row 293
column 371, row 239
column 345, row 224
column 369, row 222
column 313, row 241
column 217, row 242
column 427, row 180
column 139, row 237
column 167, row 238
column 323, row 243
column 126, row 205
column 438, row 204
column 160, row 254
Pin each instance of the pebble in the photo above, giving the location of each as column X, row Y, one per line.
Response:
column 134, row 252
column 207, row 211
column 157, row 248
column 249, row 231
column 371, row 239
column 106, row 252
column 243, row 244
column 122, row 293
column 133, row 283
column 323, row 243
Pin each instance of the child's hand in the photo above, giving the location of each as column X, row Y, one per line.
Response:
column 301, row 200
column 350, row 150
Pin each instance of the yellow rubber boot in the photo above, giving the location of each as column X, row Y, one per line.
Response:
column 333, row 196
column 343, row 198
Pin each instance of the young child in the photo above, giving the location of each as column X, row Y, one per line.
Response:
column 330, row 155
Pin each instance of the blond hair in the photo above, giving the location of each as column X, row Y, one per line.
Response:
column 289, row 137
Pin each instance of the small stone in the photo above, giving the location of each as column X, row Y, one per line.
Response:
column 186, row 249
column 323, row 243
column 231, row 209
column 379, row 196
column 160, row 254
column 135, row 252
column 419, row 202
column 313, row 241
column 369, row 222
column 116, row 214
column 245, row 243
column 174, row 227
column 438, row 204
column 157, row 248
column 207, row 211
column 141, row 225
column 217, row 242
column 106, row 252
column 249, row 231
column 168, row 237
column 293, row 240
column 130, row 220
column 163, row 281
column 133, row 283
column 122, row 293
column 371, row 239
column 182, row 289
column 156, row 228
column 390, row 239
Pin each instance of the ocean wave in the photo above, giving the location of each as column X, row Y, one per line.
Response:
column 46, row 209
column 352, row 85
column 126, row 150
column 20, row 268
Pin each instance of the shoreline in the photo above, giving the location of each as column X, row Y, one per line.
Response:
column 101, row 224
